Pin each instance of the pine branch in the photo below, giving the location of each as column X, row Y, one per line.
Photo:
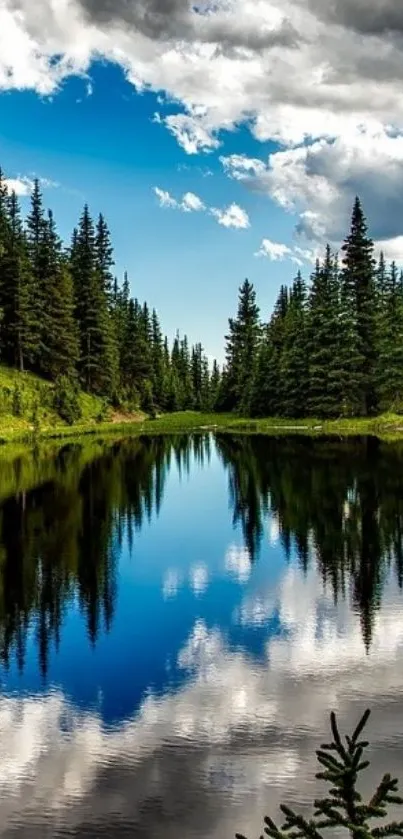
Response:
column 343, row 806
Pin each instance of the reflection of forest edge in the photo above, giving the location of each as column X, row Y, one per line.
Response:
column 64, row 514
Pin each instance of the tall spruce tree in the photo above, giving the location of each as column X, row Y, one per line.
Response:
column 60, row 345
column 159, row 371
column 215, row 381
column 18, row 328
column 242, row 349
column 324, row 336
column 37, row 252
column 390, row 344
column 104, row 257
column 358, row 299
column 96, row 364
column 4, row 222
column 294, row 365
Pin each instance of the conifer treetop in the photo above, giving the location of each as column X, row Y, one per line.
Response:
column 343, row 807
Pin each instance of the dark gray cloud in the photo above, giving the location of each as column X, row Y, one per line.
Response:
column 378, row 18
column 179, row 20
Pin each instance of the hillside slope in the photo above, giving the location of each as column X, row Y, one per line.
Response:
column 27, row 403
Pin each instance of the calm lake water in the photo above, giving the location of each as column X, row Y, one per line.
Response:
column 178, row 616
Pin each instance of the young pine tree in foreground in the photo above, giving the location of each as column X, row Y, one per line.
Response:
column 343, row 807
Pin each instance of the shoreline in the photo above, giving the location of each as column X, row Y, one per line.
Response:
column 385, row 427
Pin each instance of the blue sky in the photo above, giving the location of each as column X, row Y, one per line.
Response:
column 105, row 149
column 273, row 114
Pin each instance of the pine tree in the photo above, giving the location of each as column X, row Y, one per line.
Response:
column 19, row 335
column 242, row 347
column 205, row 383
column 103, row 265
column 343, row 807
column 198, row 385
column 60, row 344
column 390, row 344
column 4, row 229
column 184, row 371
column 215, row 381
column 159, row 373
column 358, row 299
column 104, row 257
column 120, row 311
column 294, row 364
column 136, row 353
column 37, row 253
column 324, row 336
column 97, row 357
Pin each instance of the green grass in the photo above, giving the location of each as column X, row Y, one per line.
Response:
column 37, row 391
column 386, row 427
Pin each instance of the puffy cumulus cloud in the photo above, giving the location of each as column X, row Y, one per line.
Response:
column 318, row 182
column 208, row 22
column 192, row 202
column 21, row 186
column 384, row 17
column 232, row 216
column 278, row 65
column 276, row 251
column 321, row 79
column 190, row 132
column 188, row 203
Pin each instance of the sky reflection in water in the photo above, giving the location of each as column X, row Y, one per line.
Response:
column 177, row 618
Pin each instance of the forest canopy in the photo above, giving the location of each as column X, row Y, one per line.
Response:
column 333, row 345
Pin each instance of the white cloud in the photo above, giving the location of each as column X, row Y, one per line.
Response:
column 318, row 183
column 273, row 250
column 239, row 166
column 191, row 134
column 232, row 216
column 23, row 185
column 321, row 80
column 190, row 202
column 164, row 198
column 277, row 251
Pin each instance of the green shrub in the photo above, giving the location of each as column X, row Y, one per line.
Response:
column 66, row 400
column 5, row 400
column 36, row 426
column 102, row 415
column 17, row 401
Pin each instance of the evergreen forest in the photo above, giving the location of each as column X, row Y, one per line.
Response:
column 332, row 347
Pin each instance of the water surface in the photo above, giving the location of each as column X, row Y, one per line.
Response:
column 177, row 618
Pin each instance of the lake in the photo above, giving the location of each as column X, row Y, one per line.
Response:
column 178, row 617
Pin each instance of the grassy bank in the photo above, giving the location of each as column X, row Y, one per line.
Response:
column 36, row 398
column 387, row 427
